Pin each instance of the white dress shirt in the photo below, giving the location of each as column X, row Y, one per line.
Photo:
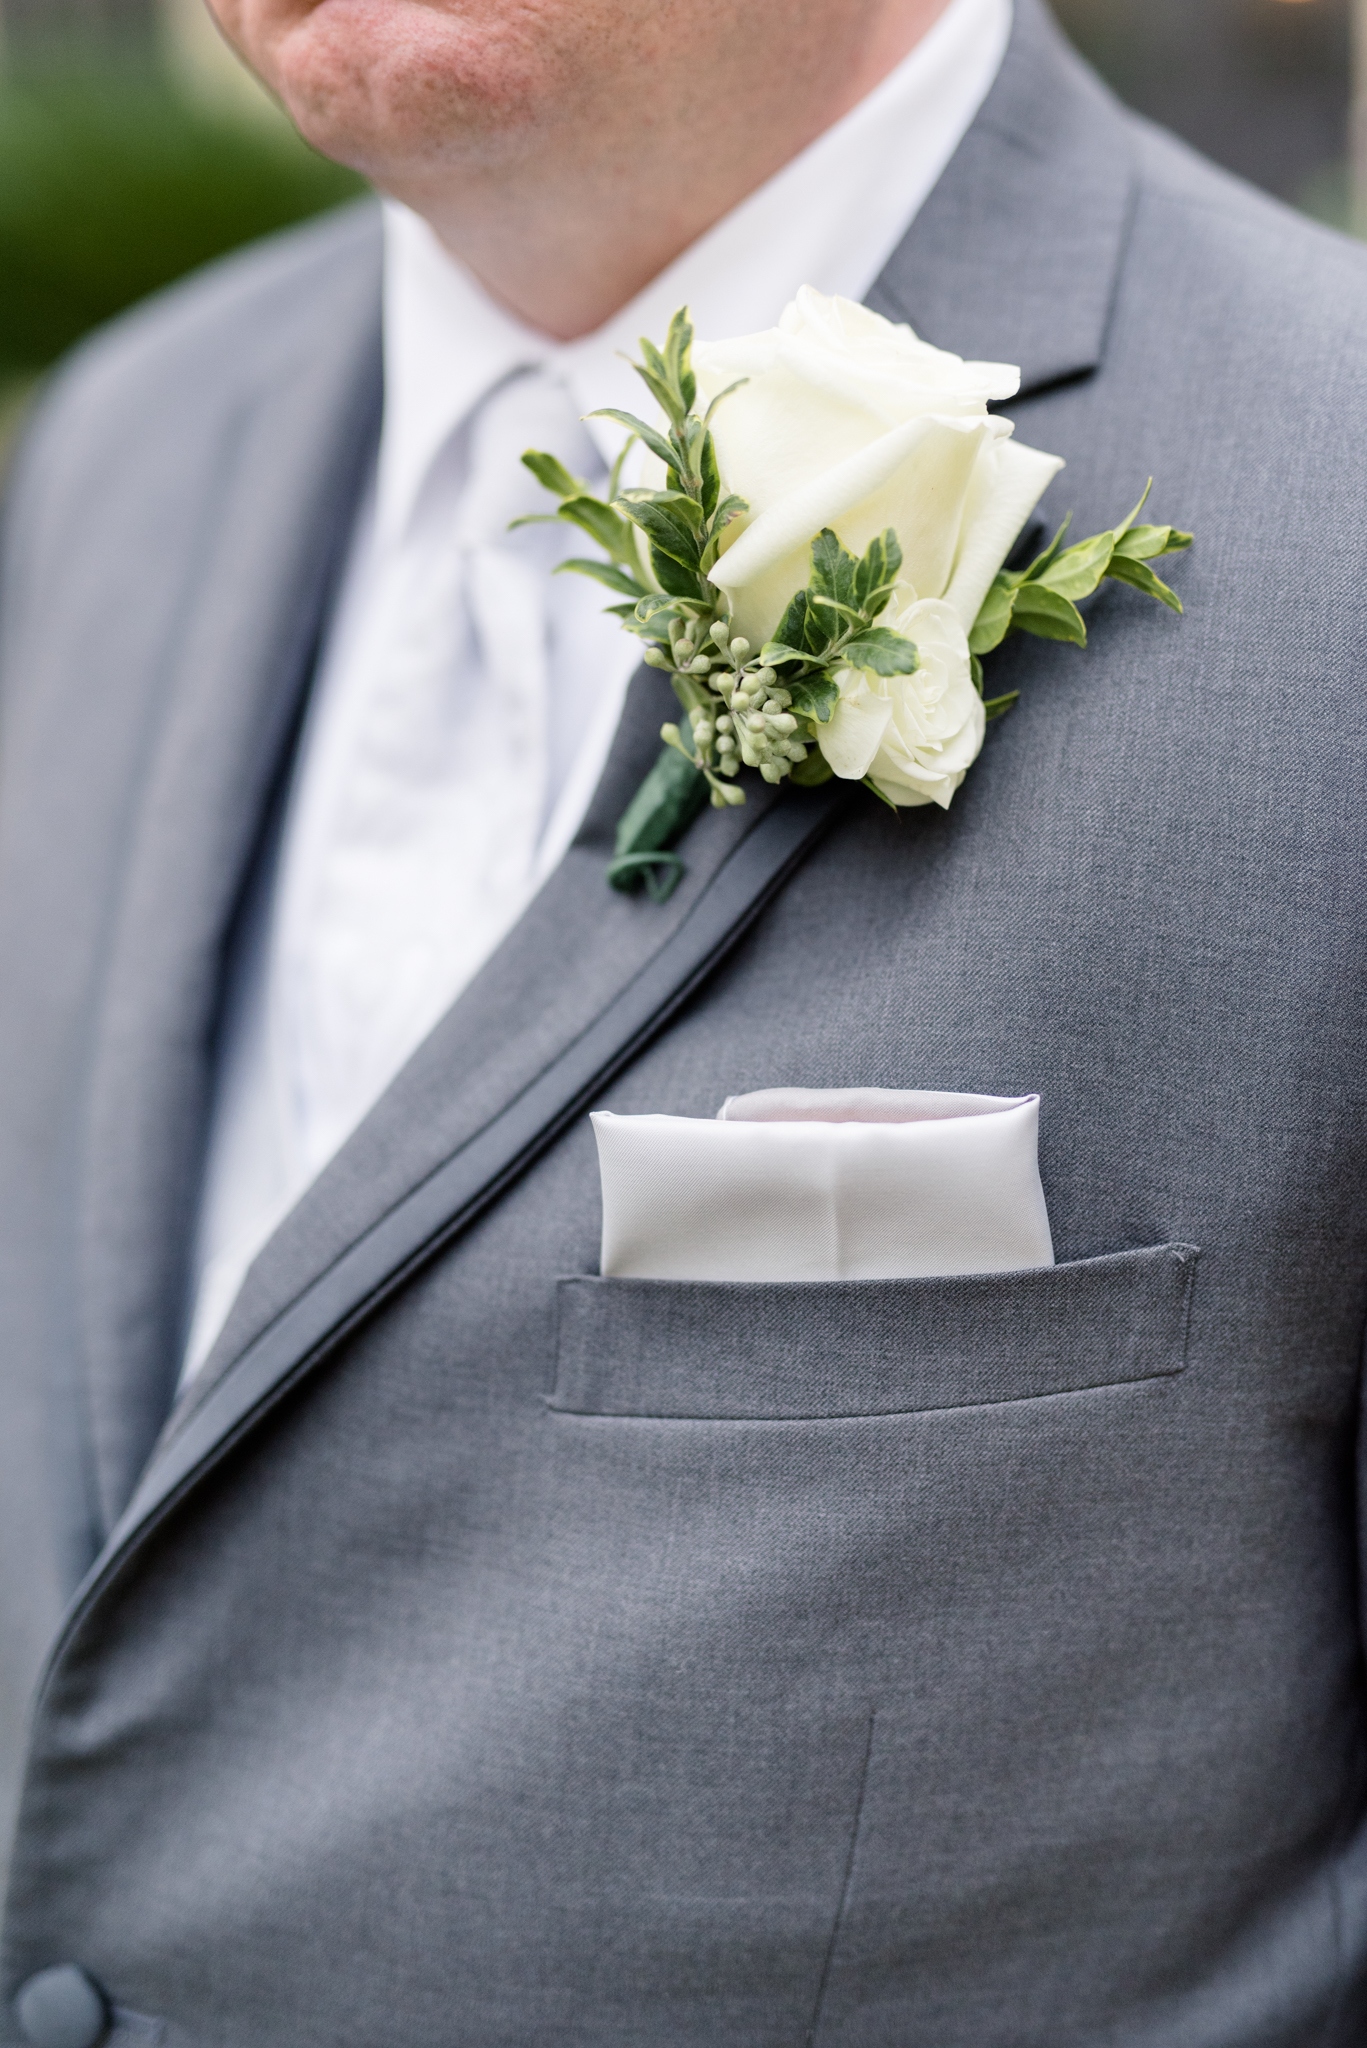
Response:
column 466, row 699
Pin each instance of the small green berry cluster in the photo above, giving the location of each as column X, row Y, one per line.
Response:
column 738, row 716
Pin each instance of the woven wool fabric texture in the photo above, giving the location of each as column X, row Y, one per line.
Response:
column 564, row 1659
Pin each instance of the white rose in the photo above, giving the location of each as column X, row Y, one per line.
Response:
column 916, row 736
column 850, row 422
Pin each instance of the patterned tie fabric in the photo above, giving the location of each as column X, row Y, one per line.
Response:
column 400, row 890
column 447, row 715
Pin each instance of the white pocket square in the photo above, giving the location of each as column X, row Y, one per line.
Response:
column 825, row 1184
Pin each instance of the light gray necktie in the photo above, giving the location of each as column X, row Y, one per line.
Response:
column 448, row 777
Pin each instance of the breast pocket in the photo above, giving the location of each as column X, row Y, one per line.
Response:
column 794, row 1351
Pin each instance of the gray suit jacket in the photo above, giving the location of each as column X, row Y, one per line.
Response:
column 490, row 1654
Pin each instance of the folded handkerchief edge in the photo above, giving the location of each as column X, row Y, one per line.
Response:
column 862, row 1105
column 927, row 1194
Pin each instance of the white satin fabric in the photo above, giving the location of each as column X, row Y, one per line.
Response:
column 825, row 1184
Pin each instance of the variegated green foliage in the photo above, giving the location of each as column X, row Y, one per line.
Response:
column 1043, row 599
column 764, row 709
column 744, row 709
column 682, row 524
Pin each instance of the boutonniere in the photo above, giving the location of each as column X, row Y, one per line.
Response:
column 815, row 555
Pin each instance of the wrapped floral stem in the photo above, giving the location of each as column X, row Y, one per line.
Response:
column 816, row 559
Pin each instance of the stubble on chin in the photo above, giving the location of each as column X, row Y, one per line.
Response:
column 403, row 88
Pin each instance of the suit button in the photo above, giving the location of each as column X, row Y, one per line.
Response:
column 62, row 2008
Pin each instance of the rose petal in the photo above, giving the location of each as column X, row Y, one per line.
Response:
column 914, row 479
column 1010, row 481
column 855, row 732
column 842, row 328
column 940, row 700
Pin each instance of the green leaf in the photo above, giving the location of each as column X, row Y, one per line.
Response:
column 666, row 532
column 993, row 622
column 550, row 471
column 653, row 360
column 885, row 652
column 707, row 416
column 603, row 572
column 1142, row 577
column 869, row 783
column 655, row 631
column 730, row 508
column 1042, row 562
column 1146, row 543
column 800, row 633
column 877, row 572
column 673, row 575
column 791, row 631
column 677, row 504
column 674, row 507
column 815, row 696
column 835, row 571
column 1049, row 616
column 678, row 354
column 710, row 475
column 1126, row 524
column 838, row 611
column 615, row 480
column 976, row 670
column 658, row 385
column 1077, row 572
column 996, row 707
column 668, row 375
column 687, row 440
column 654, row 441
column 600, row 521
column 660, row 391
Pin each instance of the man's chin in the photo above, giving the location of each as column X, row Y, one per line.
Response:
column 397, row 84
column 376, row 78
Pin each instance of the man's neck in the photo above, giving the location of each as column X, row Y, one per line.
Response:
column 565, row 239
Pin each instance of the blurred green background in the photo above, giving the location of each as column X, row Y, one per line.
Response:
column 133, row 148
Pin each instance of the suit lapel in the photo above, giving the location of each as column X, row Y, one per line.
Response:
column 581, row 953
column 290, row 463
column 1015, row 256
column 584, row 983
column 577, row 946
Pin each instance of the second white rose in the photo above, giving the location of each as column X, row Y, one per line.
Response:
column 915, row 737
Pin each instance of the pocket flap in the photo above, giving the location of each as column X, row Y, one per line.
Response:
column 787, row 1351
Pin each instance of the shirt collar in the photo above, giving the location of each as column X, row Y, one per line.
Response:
column 830, row 218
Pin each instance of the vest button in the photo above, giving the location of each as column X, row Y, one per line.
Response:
column 62, row 2008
